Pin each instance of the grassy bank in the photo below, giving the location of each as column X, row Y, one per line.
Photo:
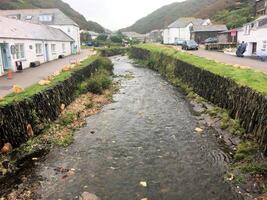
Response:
column 112, row 51
column 245, row 77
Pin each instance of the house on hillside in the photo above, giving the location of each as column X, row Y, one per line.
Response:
column 135, row 36
column 24, row 44
column 201, row 33
column 50, row 17
column 155, row 36
column 255, row 35
column 261, row 7
column 181, row 29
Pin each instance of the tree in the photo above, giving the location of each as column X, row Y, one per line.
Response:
column 116, row 39
column 102, row 38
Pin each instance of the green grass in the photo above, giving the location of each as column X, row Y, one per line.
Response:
column 244, row 77
column 36, row 88
column 67, row 118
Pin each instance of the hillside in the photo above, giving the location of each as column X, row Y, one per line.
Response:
column 64, row 7
column 218, row 10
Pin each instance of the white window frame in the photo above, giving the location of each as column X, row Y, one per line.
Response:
column 53, row 48
column 45, row 18
column 20, row 51
column 63, row 47
column 264, row 45
column 39, row 49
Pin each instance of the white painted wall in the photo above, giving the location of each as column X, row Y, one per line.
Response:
column 1, row 65
column 171, row 34
column 30, row 51
column 258, row 35
column 73, row 32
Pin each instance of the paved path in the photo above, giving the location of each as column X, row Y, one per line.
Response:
column 32, row 75
column 233, row 60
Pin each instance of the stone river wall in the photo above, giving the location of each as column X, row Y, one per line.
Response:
column 40, row 109
column 243, row 103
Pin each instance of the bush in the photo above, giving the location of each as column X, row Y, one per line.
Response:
column 94, row 86
column 99, row 81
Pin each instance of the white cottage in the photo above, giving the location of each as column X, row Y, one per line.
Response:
column 50, row 17
column 181, row 29
column 255, row 35
column 22, row 44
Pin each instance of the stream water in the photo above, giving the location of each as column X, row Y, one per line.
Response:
column 146, row 135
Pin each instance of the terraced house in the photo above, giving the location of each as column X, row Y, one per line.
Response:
column 261, row 7
column 51, row 17
column 24, row 44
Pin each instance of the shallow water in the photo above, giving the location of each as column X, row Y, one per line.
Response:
column 147, row 135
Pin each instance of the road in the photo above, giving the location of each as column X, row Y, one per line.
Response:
column 147, row 135
column 33, row 75
column 232, row 60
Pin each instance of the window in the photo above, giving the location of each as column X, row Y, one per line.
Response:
column 20, row 52
column 247, row 29
column 38, row 49
column 28, row 17
column 264, row 45
column 45, row 18
column 53, row 48
column 63, row 48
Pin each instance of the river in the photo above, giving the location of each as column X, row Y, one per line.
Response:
column 147, row 135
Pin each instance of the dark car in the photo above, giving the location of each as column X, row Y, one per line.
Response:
column 211, row 40
column 190, row 45
column 179, row 42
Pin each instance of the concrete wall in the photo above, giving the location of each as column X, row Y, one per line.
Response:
column 30, row 51
column 258, row 35
column 73, row 32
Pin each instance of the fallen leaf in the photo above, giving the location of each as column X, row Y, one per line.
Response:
column 44, row 82
column 143, row 184
column 144, row 199
column 7, row 148
column 17, row 89
column 199, row 130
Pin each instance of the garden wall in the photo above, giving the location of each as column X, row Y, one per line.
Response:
column 41, row 108
column 242, row 102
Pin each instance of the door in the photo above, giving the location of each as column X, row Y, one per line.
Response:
column 254, row 47
column 46, row 53
column 5, row 57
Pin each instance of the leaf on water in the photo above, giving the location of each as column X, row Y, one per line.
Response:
column 143, row 184
column 199, row 130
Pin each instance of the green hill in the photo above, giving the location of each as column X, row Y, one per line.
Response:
column 64, row 7
column 232, row 12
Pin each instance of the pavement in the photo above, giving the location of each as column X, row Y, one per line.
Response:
column 31, row 76
column 232, row 60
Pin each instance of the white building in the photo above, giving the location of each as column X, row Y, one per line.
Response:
column 26, row 43
column 135, row 36
column 181, row 29
column 255, row 35
column 51, row 17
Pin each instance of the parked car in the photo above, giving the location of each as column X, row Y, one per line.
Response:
column 92, row 44
column 211, row 40
column 190, row 45
column 179, row 42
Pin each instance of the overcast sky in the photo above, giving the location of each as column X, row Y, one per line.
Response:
column 116, row 14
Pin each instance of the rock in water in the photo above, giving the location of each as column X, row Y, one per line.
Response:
column 7, row 148
column 88, row 196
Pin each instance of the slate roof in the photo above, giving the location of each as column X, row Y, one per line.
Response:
column 59, row 18
column 16, row 29
column 184, row 22
column 210, row 28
